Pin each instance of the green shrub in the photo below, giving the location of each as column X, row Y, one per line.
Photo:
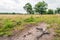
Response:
column 18, row 22
column 7, row 26
column 31, row 19
column 1, row 33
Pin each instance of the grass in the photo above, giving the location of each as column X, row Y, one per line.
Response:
column 13, row 22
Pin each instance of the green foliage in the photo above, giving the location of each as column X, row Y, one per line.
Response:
column 18, row 22
column 41, row 7
column 13, row 13
column 7, row 26
column 31, row 19
column 28, row 8
column 58, row 10
column 50, row 11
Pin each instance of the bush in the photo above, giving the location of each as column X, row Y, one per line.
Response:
column 18, row 22
column 6, row 28
column 31, row 19
column 8, row 24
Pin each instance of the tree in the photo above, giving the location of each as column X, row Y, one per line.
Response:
column 41, row 7
column 28, row 8
column 58, row 10
column 50, row 11
column 13, row 13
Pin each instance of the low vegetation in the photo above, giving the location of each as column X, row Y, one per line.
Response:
column 9, row 23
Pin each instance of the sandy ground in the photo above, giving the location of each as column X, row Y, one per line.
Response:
column 33, row 34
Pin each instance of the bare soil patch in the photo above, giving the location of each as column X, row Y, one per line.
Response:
column 32, row 33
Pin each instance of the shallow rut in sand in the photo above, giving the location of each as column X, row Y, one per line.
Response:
column 35, row 33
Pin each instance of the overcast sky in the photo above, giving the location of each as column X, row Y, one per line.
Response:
column 17, row 5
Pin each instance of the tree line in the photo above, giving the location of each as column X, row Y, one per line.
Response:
column 40, row 8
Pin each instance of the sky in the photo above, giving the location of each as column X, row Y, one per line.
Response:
column 17, row 5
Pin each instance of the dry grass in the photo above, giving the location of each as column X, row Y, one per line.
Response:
column 20, row 20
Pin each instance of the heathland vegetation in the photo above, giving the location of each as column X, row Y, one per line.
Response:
column 9, row 24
